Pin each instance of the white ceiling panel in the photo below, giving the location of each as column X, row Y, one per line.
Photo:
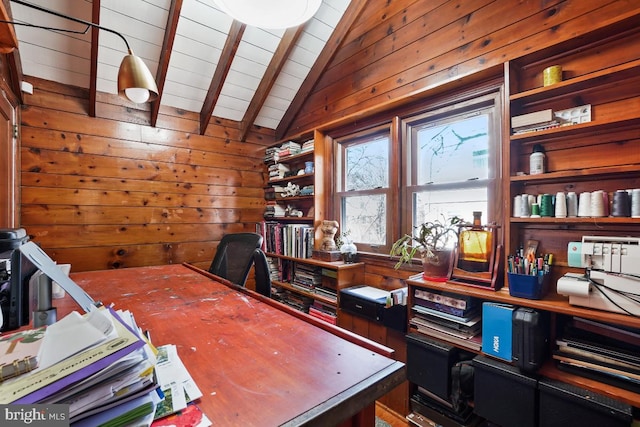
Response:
column 198, row 42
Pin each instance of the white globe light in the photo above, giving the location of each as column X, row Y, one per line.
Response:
column 270, row 14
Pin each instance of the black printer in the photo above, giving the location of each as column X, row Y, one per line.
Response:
column 365, row 301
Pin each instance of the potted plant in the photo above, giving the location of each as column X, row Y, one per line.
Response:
column 435, row 241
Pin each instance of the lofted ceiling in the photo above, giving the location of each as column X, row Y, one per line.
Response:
column 202, row 59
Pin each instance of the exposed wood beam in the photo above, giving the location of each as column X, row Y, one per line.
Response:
column 93, row 71
column 15, row 71
column 165, row 56
column 328, row 52
column 13, row 55
column 219, row 76
column 280, row 56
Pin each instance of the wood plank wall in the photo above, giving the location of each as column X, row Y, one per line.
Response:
column 114, row 192
column 410, row 49
column 403, row 48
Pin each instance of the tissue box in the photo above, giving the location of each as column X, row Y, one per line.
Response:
column 497, row 329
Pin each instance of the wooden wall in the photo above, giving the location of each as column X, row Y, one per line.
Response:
column 114, row 192
column 401, row 52
column 400, row 49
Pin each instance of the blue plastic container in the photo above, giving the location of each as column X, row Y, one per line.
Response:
column 527, row 286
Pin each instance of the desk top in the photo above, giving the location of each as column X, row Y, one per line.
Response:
column 255, row 363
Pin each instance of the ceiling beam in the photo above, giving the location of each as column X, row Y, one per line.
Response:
column 328, row 52
column 165, row 56
column 286, row 45
column 219, row 76
column 93, row 70
column 12, row 54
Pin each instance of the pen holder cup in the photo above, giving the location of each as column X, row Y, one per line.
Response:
column 527, row 286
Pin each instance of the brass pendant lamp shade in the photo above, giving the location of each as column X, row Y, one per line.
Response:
column 135, row 81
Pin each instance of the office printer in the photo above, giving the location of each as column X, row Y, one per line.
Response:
column 365, row 301
column 612, row 278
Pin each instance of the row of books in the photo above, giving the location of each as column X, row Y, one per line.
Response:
column 294, row 240
column 451, row 317
column 601, row 351
column 99, row 364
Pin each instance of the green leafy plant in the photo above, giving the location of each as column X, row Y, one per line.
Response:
column 428, row 238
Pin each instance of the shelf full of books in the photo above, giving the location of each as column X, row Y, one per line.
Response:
column 291, row 239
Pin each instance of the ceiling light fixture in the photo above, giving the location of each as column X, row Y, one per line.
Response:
column 135, row 81
column 270, row 14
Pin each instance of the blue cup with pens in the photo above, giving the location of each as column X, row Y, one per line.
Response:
column 529, row 278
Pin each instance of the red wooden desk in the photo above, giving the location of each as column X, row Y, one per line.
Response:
column 255, row 362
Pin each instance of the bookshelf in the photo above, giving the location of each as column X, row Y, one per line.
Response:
column 305, row 283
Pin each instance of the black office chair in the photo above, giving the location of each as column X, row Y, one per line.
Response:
column 263, row 274
column 234, row 256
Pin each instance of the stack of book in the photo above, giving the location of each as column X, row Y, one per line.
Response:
column 292, row 299
column 274, row 210
column 535, row 121
column 273, row 192
column 270, row 154
column 328, row 285
column 601, row 351
column 289, row 148
column 278, row 171
column 306, row 277
column 324, row 312
column 450, row 317
column 307, row 146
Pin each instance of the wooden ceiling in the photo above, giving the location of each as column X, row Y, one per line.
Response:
column 202, row 59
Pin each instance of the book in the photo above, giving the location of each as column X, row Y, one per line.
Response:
column 462, row 302
column 536, row 117
column 20, row 352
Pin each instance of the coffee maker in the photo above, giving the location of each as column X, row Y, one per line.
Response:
column 15, row 271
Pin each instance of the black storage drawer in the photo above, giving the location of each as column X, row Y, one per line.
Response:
column 429, row 363
column 503, row 395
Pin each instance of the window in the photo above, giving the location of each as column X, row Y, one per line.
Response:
column 453, row 161
column 362, row 187
column 447, row 162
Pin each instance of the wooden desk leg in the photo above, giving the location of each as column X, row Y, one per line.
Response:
column 365, row 418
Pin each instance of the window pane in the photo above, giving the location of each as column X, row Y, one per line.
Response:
column 367, row 165
column 430, row 205
column 366, row 218
column 454, row 151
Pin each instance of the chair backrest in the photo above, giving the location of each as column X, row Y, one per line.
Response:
column 234, row 256
column 263, row 274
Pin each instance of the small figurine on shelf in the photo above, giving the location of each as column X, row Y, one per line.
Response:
column 329, row 229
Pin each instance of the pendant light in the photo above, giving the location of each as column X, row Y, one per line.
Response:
column 135, row 81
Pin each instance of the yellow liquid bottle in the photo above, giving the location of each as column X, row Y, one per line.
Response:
column 475, row 246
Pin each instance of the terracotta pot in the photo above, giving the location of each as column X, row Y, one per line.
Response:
column 438, row 266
